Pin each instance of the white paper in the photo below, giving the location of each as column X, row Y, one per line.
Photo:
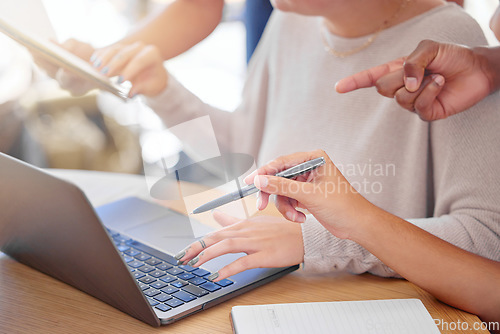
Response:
column 398, row 316
column 29, row 16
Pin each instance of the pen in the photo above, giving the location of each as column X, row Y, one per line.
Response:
column 251, row 189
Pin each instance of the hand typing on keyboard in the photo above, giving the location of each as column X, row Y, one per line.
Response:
column 269, row 242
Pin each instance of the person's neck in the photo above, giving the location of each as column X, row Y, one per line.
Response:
column 361, row 18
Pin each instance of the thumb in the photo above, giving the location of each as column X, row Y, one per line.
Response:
column 281, row 186
column 417, row 62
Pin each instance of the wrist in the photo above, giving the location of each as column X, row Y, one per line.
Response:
column 359, row 219
column 366, row 220
column 491, row 65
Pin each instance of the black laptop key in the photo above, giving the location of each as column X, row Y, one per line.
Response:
column 152, row 302
column 162, row 297
column 138, row 275
column 187, row 268
column 164, row 266
column 197, row 281
column 158, row 285
column 178, row 283
column 194, row 290
column 135, row 264
column 123, row 248
column 146, row 269
column 153, row 261
column 147, row 280
column 186, row 276
column 157, row 273
column 174, row 302
column 201, row 272
column 132, row 252
column 142, row 257
column 128, row 259
column 151, row 292
column 170, row 259
column 210, row 286
column 175, row 271
column 168, row 279
column 163, row 307
column 224, row 282
column 169, row 290
column 184, row 296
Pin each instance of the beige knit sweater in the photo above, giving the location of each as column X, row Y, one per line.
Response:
column 441, row 176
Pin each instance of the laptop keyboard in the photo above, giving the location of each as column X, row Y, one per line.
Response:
column 165, row 284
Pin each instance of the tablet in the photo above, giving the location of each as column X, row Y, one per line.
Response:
column 58, row 56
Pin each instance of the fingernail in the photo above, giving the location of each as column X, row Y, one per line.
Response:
column 180, row 255
column 290, row 215
column 259, row 202
column 301, row 219
column 93, row 58
column 261, row 181
column 105, row 70
column 193, row 261
column 336, row 84
column 213, row 276
column 120, row 79
column 438, row 79
column 411, row 84
column 97, row 63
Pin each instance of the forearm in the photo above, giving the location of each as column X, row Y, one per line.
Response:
column 179, row 26
column 455, row 276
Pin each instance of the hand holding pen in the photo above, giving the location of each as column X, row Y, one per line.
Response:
column 293, row 171
column 324, row 192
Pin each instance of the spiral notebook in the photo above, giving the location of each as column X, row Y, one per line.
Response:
column 402, row 316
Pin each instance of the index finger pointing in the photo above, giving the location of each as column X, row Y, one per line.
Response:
column 369, row 77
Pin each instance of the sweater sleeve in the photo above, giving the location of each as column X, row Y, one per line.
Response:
column 181, row 112
column 464, row 193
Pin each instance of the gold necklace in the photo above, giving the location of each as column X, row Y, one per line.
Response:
column 369, row 41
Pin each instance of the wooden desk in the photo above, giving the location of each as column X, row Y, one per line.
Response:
column 31, row 302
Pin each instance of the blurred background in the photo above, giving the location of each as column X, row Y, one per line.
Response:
column 46, row 126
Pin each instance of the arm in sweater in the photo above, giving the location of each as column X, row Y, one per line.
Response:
column 430, row 262
column 464, row 195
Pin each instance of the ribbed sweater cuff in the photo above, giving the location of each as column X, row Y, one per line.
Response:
column 323, row 252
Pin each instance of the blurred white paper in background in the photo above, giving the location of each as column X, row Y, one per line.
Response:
column 29, row 16
column 15, row 61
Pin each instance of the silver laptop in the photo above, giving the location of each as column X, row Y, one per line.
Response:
column 122, row 254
